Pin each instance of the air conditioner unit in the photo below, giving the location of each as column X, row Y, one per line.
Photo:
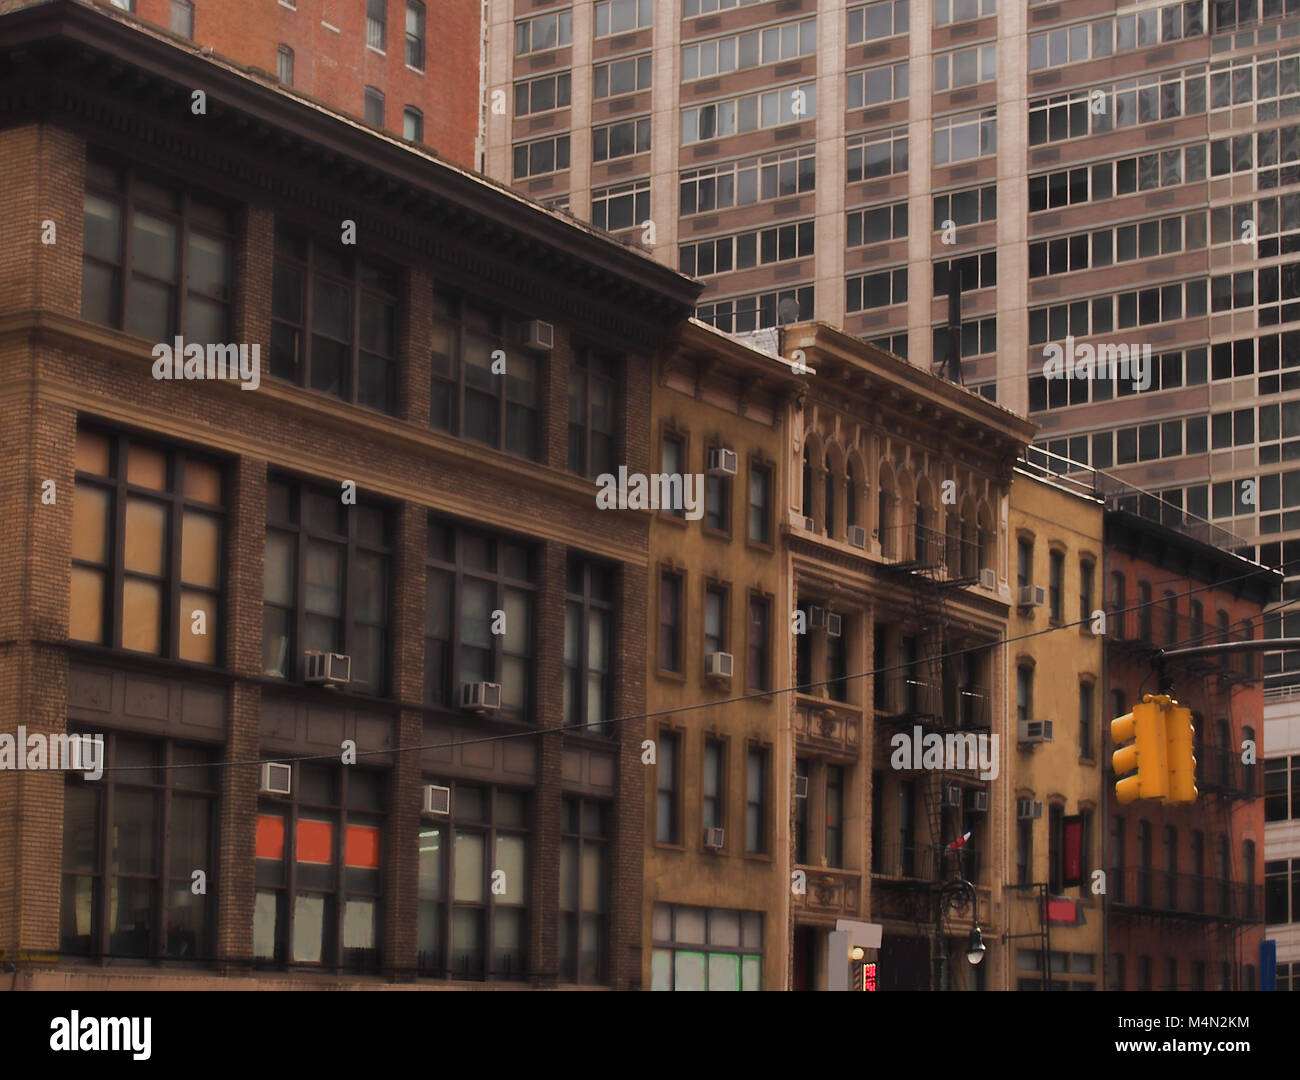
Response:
column 978, row 801
column 714, row 839
column 277, row 778
column 816, row 617
column 480, row 696
column 723, row 462
column 437, row 799
column 719, row 665
column 988, row 579
column 327, row 668
column 1032, row 596
column 834, row 624
column 1035, row 731
column 952, row 795
column 538, row 336
column 809, row 524
column 801, row 787
column 1028, row 809
column 857, row 536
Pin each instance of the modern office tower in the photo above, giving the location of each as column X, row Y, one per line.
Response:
column 1102, row 178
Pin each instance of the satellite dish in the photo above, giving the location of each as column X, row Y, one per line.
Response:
column 787, row 311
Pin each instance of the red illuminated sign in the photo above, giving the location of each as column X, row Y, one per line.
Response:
column 868, row 976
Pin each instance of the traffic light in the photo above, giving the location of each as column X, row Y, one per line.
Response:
column 1146, row 754
column 1180, row 754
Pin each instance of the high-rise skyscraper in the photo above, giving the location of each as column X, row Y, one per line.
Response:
column 1114, row 180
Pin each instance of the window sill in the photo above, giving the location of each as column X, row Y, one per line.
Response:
column 760, row 546
column 380, row 52
column 717, row 534
column 418, row 71
column 672, row 676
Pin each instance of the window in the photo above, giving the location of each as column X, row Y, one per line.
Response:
column 326, row 583
column 474, row 886
column 876, row 225
column 706, row 949
column 593, row 412
column 717, row 503
column 622, row 76
column 1056, row 585
column 415, row 34
column 620, row 16
column 955, row 11
column 672, row 462
column 412, row 124
column 1282, row 891
column 479, row 617
column 877, row 86
column 182, row 18
column 1118, row 860
column 1024, row 693
column 584, row 891
column 715, row 619
column 1056, row 848
column 965, row 67
column 1144, row 611
column 772, row 108
column 1086, row 570
column 667, row 769
column 1117, row 602
column 877, row 154
column 147, row 534
column 758, row 669
column 872, row 291
column 713, row 803
column 377, row 24
column 1024, row 562
column 965, row 136
column 872, row 22
column 543, row 32
column 543, row 94
column 1282, row 798
column 468, row 397
column 801, row 814
column 334, row 322
column 541, row 156
column 834, row 815
column 126, row 878
column 1024, row 851
column 284, row 64
column 374, row 108
column 588, row 645
column 319, row 870
column 1087, row 710
column 748, row 181
column 670, row 622
column 621, row 206
column 793, row 240
column 760, row 498
column 155, row 262
column 756, row 801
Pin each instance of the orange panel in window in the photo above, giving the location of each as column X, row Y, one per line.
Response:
column 270, row 836
column 315, row 842
column 362, row 848
column 142, row 616
column 146, row 536
column 200, row 548
column 201, row 648
column 90, row 524
column 92, row 453
column 146, row 467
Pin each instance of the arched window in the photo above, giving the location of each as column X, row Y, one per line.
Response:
column 830, row 496
column 850, row 496
column 884, row 500
column 807, row 484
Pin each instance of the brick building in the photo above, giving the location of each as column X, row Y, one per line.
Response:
column 182, row 549
column 409, row 68
column 1185, row 884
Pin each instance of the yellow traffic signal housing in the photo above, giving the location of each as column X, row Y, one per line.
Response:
column 1180, row 750
column 1145, row 755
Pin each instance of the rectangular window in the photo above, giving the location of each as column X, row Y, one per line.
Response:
column 415, row 34
column 412, row 124
column 672, row 462
column 876, row 86
column 544, row 32
column 703, row 948
column 670, row 622
column 965, row 136
column 374, row 106
column 319, row 870
column 715, row 619
column 834, row 815
column 756, row 801
column 156, row 262
column 624, row 76
column 377, row 24
column 182, row 18
column 667, row 805
column 334, row 322
column 584, row 892
column 717, row 502
column 1024, row 851
column 620, row 16
column 147, row 538
column 126, row 878
column 284, row 64
column 543, row 94
column 588, row 645
column 466, row 397
column 326, row 584
column 874, row 22
column 1086, row 570
column 1056, row 585
column 772, row 108
column 621, row 206
column 758, row 671
column 871, row 156
column 965, row 67
column 956, row 11
column 593, row 412
column 541, row 156
column 479, row 618
column 760, row 498
column 474, row 884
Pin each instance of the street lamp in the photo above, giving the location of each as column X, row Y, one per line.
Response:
column 956, row 895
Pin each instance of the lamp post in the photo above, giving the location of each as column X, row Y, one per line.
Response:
column 955, row 896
